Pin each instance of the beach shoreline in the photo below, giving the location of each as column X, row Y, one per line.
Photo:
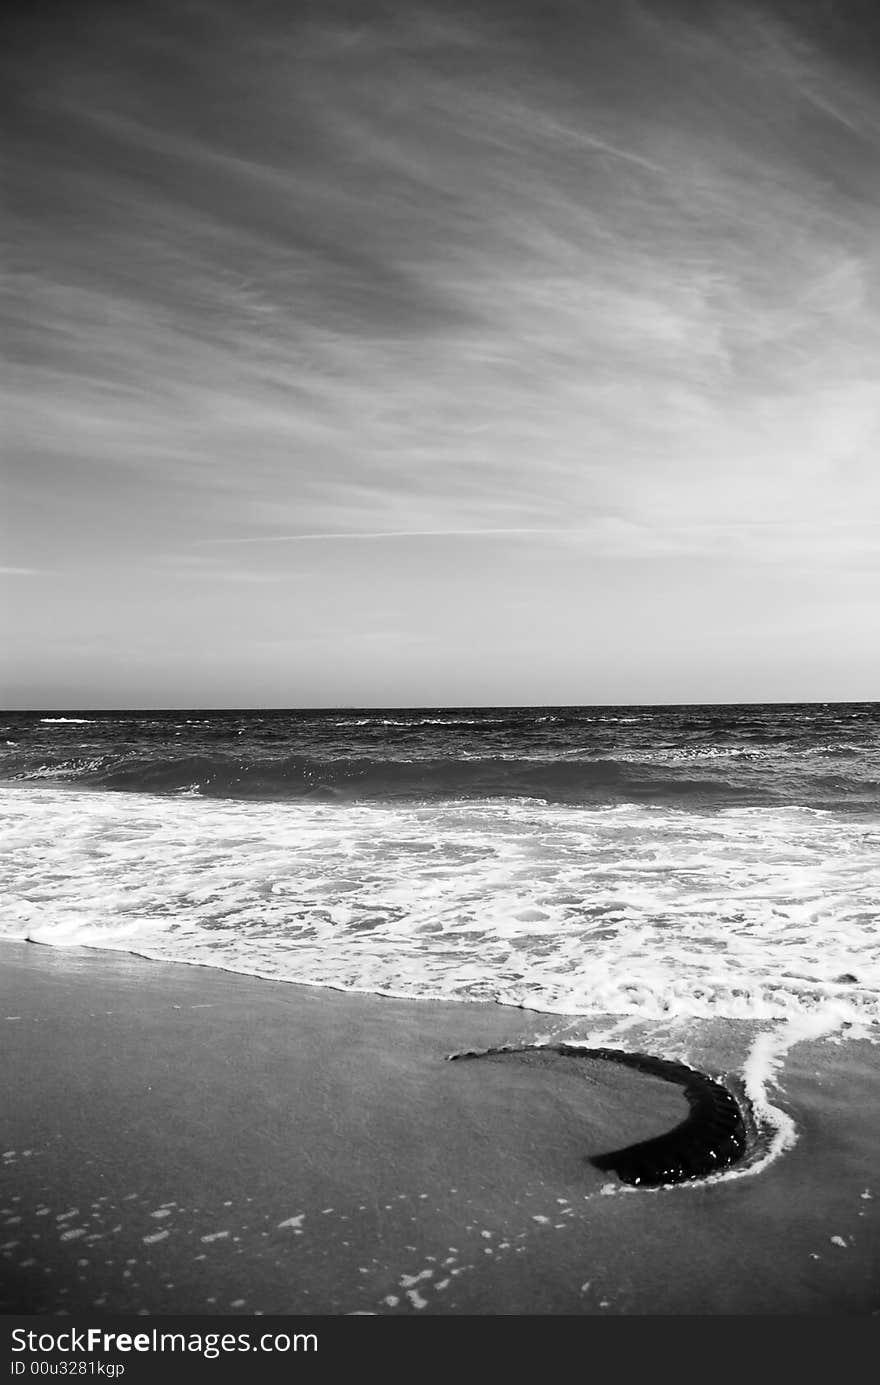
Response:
column 181, row 1139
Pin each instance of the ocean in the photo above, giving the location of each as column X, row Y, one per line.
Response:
column 696, row 883
column 650, row 862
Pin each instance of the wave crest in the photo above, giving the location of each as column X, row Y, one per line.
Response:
column 303, row 776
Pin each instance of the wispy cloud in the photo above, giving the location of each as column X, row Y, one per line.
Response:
column 359, row 535
column 465, row 273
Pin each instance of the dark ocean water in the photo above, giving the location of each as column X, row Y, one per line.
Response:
column 811, row 755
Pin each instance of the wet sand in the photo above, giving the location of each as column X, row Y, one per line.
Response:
column 182, row 1140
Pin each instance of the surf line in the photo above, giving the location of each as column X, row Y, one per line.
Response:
column 712, row 1137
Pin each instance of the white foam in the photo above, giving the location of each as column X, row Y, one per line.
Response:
column 67, row 721
column 655, row 914
column 761, row 1074
column 764, row 1062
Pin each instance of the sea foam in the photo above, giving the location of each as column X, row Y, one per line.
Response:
column 756, row 914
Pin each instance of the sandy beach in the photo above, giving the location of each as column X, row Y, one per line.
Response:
column 438, row 605
column 183, row 1140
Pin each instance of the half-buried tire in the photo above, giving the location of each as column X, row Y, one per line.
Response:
column 712, row 1137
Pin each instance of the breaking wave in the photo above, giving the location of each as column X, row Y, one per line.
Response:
column 584, row 781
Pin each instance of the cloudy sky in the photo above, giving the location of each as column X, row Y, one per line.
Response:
column 501, row 352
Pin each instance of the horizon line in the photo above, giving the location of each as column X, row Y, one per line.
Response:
column 445, row 706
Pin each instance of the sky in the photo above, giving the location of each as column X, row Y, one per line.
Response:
column 507, row 352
